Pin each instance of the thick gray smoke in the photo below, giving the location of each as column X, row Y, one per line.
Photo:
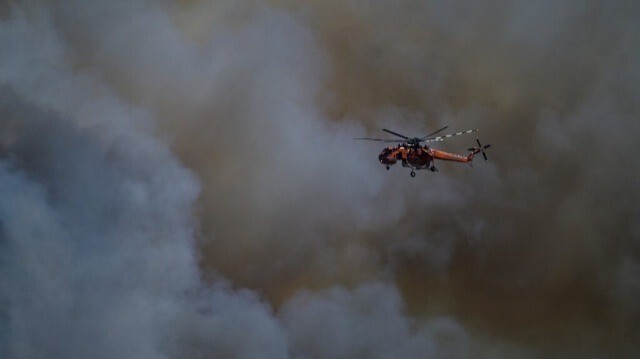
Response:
column 179, row 179
column 98, row 222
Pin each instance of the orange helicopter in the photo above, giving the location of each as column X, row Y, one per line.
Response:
column 418, row 157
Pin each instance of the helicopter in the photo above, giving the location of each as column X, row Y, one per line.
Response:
column 417, row 157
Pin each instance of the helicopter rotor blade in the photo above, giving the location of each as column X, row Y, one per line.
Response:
column 377, row 139
column 433, row 133
column 396, row 134
column 442, row 138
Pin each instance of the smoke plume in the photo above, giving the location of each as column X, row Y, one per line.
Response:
column 179, row 179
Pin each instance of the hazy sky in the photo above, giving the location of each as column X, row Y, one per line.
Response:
column 179, row 179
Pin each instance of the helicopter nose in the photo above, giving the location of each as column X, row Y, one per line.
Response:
column 386, row 160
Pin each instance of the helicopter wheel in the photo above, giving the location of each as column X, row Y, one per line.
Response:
column 413, row 174
column 387, row 168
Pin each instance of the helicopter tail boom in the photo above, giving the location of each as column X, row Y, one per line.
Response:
column 446, row 156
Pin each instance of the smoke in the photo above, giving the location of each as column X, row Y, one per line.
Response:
column 365, row 323
column 179, row 179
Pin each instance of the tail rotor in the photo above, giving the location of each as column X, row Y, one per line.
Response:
column 480, row 149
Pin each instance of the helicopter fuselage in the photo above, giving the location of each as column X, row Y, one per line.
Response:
column 418, row 157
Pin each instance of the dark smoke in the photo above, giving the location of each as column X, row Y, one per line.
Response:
column 179, row 179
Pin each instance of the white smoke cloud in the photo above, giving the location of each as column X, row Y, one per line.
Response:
column 97, row 229
column 98, row 225
column 147, row 144
column 365, row 323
